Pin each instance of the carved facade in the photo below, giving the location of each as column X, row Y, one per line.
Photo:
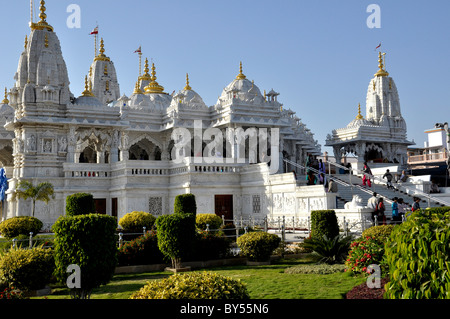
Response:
column 119, row 148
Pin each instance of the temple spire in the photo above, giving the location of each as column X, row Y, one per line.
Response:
column 187, row 87
column 101, row 56
column 153, row 86
column 146, row 76
column 241, row 75
column 359, row 116
column 381, row 66
column 6, row 101
column 42, row 25
column 137, row 89
column 87, row 91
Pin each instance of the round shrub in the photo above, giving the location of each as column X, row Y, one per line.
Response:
column 185, row 204
column 27, row 269
column 80, row 204
column 364, row 251
column 380, row 232
column 195, row 285
column 136, row 221
column 324, row 222
column 258, row 246
column 417, row 254
column 214, row 221
column 141, row 251
column 90, row 242
column 21, row 225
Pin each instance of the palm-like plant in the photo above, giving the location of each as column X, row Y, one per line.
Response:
column 42, row 192
column 331, row 250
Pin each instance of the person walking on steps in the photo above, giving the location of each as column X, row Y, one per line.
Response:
column 395, row 212
column 388, row 177
column 416, row 205
column 401, row 208
column 373, row 204
column 380, row 211
column 367, row 175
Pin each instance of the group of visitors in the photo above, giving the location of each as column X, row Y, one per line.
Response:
column 399, row 208
column 311, row 178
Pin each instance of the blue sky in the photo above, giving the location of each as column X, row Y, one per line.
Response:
column 318, row 54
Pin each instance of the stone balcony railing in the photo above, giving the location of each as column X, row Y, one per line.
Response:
column 146, row 168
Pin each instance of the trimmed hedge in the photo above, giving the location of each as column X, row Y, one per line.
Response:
column 185, row 204
column 80, row 204
column 141, row 251
column 21, row 225
column 195, row 285
column 136, row 221
column 258, row 246
column 90, row 242
column 27, row 269
column 214, row 221
column 417, row 253
column 324, row 222
column 176, row 236
column 380, row 232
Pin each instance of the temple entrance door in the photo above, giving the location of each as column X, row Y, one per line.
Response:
column 224, row 206
column 114, row 207
column 100, row 206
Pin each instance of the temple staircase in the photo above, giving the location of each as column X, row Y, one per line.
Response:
column 351, row 184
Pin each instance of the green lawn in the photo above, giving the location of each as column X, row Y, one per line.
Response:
column 263, row 282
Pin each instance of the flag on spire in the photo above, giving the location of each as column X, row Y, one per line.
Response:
column 95, row 31
column 138, row 50
column 378, row 46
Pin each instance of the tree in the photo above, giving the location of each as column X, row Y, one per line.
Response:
column 88, row 241
column 43, row 192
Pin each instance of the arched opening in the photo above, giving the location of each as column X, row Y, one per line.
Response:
column 88, row 155
column 6, row 157
column 144, row 150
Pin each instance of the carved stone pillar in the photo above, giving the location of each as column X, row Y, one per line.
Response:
column 124, row 147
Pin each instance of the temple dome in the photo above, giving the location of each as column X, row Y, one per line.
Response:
column 87, row 97
column 359, row 120
column 6, row 111
column 243, row 89
column 188, row 97
column 88, row 101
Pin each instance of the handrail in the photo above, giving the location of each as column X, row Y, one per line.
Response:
column 400, row 186
column 339, row 181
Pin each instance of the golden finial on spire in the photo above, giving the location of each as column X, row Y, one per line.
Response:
column 6, row 101
column 146, row 76
column 359, row 116
column 241, row 75
column 153, row 86
column 381, row 68
column 41, row 25
column 102, row 47
column 26, row 42
column 101, row 56
column 87, row 91
column 187, row 87
column 137, row 89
